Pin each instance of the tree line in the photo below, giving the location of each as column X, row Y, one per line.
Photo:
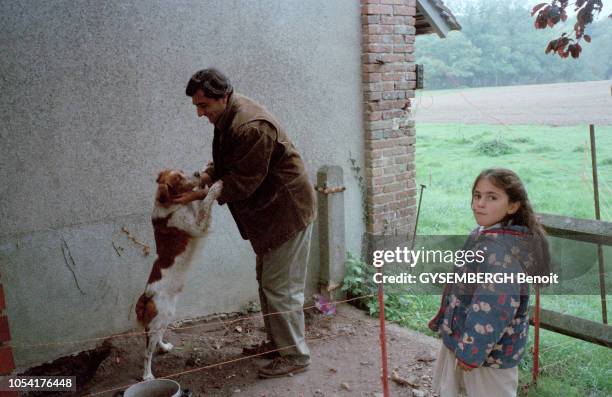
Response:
column 498, row 45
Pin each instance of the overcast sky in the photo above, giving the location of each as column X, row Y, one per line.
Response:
column 607, row 5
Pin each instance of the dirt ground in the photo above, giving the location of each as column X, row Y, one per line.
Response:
column 345, row 359
column 549, row 104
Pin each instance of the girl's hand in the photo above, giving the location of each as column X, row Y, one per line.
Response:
column 464, row 366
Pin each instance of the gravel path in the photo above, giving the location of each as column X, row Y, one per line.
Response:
column 345, row 360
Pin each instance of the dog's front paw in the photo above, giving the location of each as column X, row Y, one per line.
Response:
column 216, row 188
column 165, row 347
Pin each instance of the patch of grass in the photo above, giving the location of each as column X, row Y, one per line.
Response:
column 461, row 141
column 555, row 180
column 542, row 149
column 522, row 139
column 606, row 162
column 494, row 148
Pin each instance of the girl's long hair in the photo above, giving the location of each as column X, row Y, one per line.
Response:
column 510, row 183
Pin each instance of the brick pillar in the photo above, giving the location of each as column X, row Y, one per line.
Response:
column 7, row 364
column 388, row 81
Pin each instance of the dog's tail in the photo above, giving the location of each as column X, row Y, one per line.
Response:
column 145, row 310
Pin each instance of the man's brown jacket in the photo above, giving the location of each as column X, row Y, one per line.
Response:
column 264, row 180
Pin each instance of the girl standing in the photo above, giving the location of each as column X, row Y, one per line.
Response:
column 484, row 326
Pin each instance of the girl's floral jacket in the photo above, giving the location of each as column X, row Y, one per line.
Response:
column 486, row 324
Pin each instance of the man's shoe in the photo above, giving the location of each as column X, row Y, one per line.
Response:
column 262, row 350
column 282, row 366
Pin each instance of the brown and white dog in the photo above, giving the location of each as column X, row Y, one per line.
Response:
column 176, row 227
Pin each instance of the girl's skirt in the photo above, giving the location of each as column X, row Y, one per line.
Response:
column 449, row 380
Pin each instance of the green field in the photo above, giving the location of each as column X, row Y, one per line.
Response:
column 553, row 162
column 555, row 165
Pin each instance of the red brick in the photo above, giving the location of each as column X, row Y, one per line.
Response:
column 403, row 159
column 370, row 58
column 372, row 87
column 391, row 171
column 407, row 212
column 372, row 96
column 401, row 48
column 2, row 301
column 382, row 217
column 371, row 1
column 371, row 77
column 401, row 104
column 402, row 85
column 387, row 161
column 388, row 86
column 387, row 143
column 382, row 180
column 397, row 2
column 398, row 67
column 391, row 95
column 394, row 151
column 390, row 58
column 378, row 39
column 392, row 76
column 392, row 114
column 402, row 177
column 7, row 364
column 379, row 125
column 5, row 332
column 396, row 206
column 374, row 135
column 378, row 48
column 384, row 198
column 392, row 20
column 373, row 172
column 371, row 68
column 380, row 105
column 403, row 141
column 373, row 9
column 378, row 29
column 403, row 10
column 404, row 30
column 374, row 116
column 373, row 154
column 370, row 19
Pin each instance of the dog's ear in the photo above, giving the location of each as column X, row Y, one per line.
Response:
column 161, row 176
column 163, row 194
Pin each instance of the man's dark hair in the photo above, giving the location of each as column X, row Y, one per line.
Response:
column 212, row 82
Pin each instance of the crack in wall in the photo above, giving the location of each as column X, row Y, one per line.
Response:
column 66, row 249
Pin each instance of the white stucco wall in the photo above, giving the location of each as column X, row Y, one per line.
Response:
column 93, row 107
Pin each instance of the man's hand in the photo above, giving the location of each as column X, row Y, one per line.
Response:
column 188, row 197
column 205, row 178
column 464, row 366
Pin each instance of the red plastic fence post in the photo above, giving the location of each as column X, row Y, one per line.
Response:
column 383, row 340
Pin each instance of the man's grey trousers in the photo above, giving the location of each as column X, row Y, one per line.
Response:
column 281, row 274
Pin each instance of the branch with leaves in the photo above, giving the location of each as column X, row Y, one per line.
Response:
column 550, row 14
